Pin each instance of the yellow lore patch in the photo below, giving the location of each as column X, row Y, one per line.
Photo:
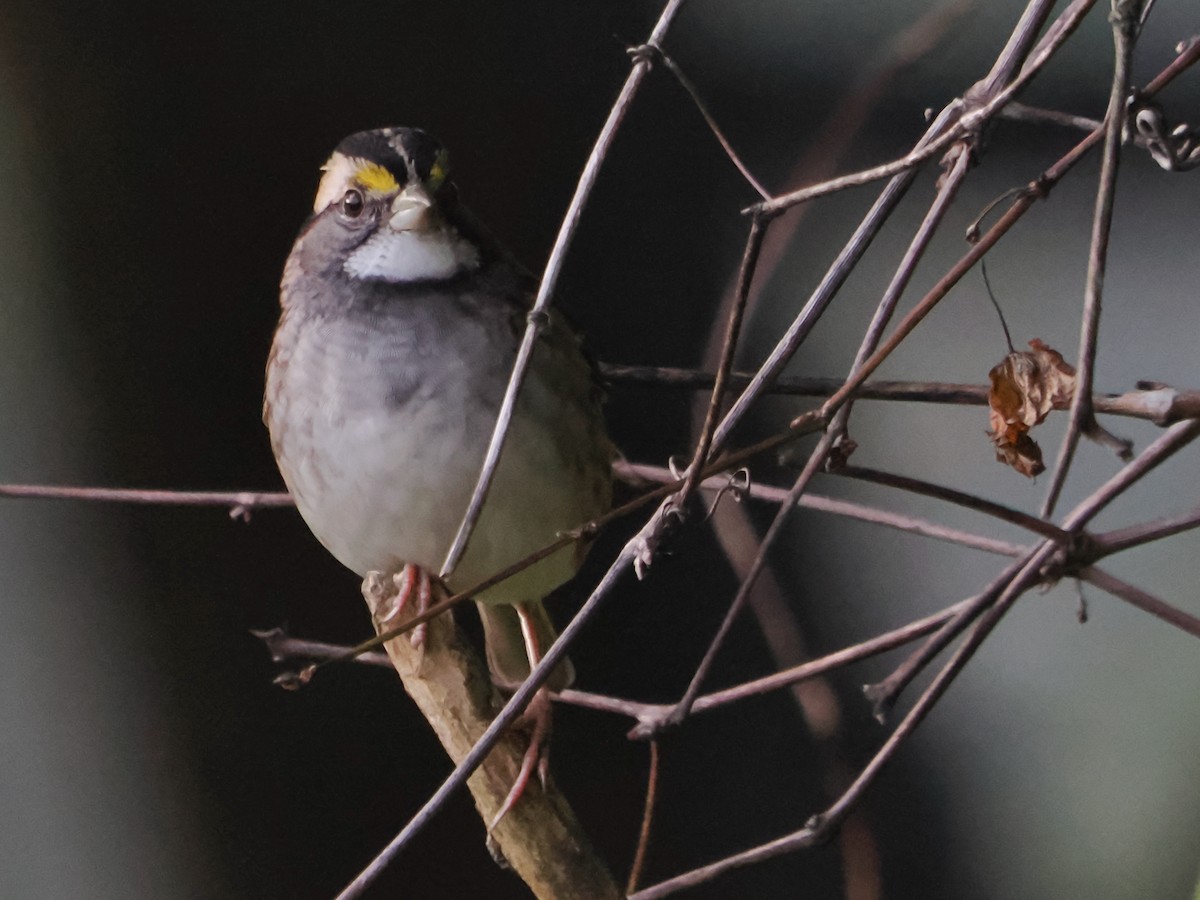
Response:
column 376, row 178
column 344, row 172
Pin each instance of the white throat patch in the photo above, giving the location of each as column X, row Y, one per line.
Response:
column 400, row 256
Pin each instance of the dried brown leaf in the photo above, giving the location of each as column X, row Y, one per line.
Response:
column 1025, row 387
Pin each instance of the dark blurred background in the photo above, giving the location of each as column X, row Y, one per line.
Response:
column 156, row 161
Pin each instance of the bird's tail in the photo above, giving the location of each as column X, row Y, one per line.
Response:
column 507, row 654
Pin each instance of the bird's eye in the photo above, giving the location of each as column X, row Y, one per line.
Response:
column 352, row 204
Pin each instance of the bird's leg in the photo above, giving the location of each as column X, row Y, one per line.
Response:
column 413, row 585
column 537, row 717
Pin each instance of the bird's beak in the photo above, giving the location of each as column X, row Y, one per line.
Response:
column 410, row 209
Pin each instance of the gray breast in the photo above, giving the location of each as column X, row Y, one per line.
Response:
column 400, row 399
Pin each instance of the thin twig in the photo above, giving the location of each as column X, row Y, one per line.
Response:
column 922, row 153
column 947, row 190
column 883, row 694
column 284, row 648
column 1161, row 448
column 710, row 120
column 683, row 708
column 643, row 844
column 733, row 328
column 1144, row 601
column 1021, row 112
column 1135, row 535
column 844, row 508
column 830, row 284
column 1012, row 58
column 1083, row 418
column 1161, row 405
column 890, row 640
column 957, row 497
column 287, row 649
column 538, row 316
column 239, row 502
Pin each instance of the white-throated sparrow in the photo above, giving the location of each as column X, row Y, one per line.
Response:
column 400, row 322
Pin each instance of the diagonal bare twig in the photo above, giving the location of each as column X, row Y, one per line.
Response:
column 710, row 120
column 643, row 844
column 733, row 328
column 1143, row 600
column 1124, row 19
column 1136, row 535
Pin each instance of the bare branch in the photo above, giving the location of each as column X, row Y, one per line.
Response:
column 1144, row 601
column 239, row 502
column 710, row 120
column 733, row 328
column 959, row 498
column 968, row 120
column 822, row 824
column 1124, row 21
column 286, row 649
column 1020, row 112
column 643, row 844
column 682, row 709
column 844, row 508
column 1136, row 535
column 449, row 684
column 1159, row 404
column 507, row 716
column 901, row 166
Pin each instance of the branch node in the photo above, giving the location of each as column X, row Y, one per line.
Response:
column 650, row 544
column 653, row 725
column 820, row 827
column 882, row 698
column 648, row 53
column 293, row 681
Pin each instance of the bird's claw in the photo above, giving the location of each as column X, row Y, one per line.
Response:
column 537, row 718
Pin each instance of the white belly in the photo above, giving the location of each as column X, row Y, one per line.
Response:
column 384, row 481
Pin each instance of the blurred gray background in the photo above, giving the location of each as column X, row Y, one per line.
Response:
column 156, row 161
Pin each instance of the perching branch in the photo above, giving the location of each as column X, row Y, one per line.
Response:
column 450, row 685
